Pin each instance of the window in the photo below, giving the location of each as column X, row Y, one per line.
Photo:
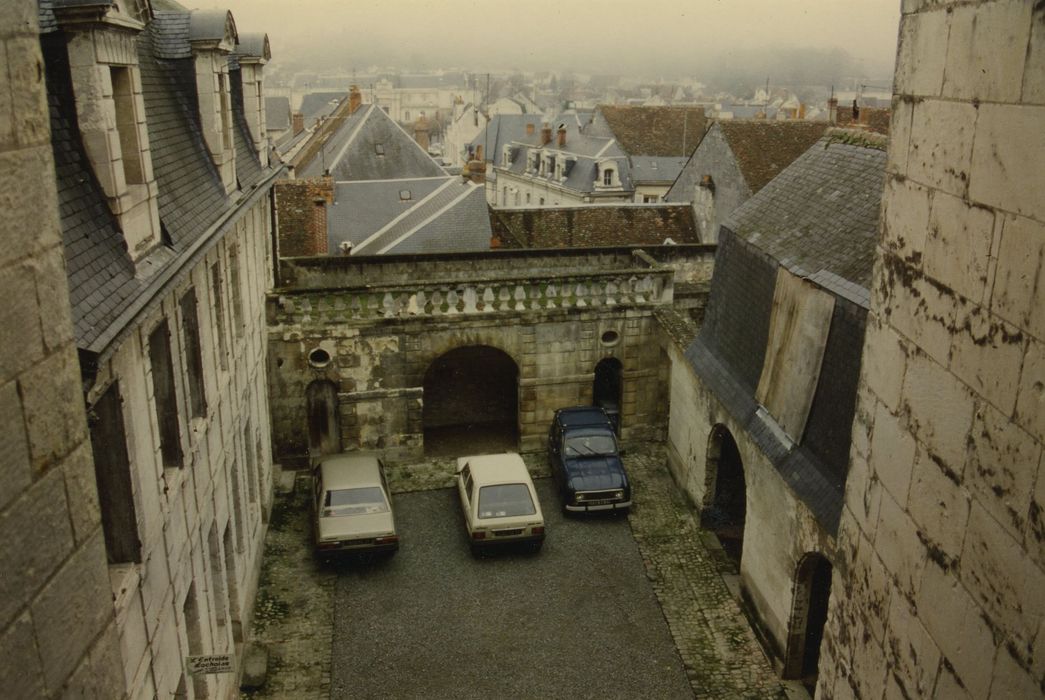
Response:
column 237, row 293
column 406, row 116
column 607, row 176
column 542, row 201
column 252, row 465
column 112, row 471
column 527, row 197
column 163, row 394
column 650, row 199
column 226, row 118
column 504, row 197
column 379, row 149
column 219, row 314
column 190, row 329
column 127, row 125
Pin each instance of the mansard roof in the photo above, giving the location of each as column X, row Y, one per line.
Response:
column 107, row 290
column 819, row 217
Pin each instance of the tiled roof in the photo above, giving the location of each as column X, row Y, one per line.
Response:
column 819, row 217
column 655, row 131
column 580, row 227
column 763, row 148
column 874, row 118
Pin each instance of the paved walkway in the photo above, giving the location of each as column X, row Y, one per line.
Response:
column 718, row 649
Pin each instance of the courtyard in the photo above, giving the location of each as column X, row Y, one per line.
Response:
column 611, row 606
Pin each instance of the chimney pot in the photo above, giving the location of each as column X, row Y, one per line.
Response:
column 529, row 128
column 297, row 122
column 562, row 137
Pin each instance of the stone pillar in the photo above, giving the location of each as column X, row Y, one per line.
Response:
column 943, row 532
column 57, row 627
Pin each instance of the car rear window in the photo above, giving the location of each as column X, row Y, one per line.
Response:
column 595, row 444
column 361, row 501
column 505, row 501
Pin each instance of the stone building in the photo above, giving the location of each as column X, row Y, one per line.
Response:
column 734, row 160
column 762, row 399
column 58, row 631
column 164, row 194
column 941, row 579
column 593, row 227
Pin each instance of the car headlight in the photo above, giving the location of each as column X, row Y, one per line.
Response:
column 619, row 495
column 578, row 497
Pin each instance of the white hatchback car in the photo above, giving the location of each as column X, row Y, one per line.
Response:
column 352, row 510
column 499, row 501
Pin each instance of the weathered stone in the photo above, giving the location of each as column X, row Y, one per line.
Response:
column 899, row 546
column 1020, row 280
column 892, row 453
column 1011, row 680
column 15, row 473
column 25, row 316
column 954, row 620
column 883, row 364
column 940, row 410
column 922, row 54
column 81, row 485
column 899, row 135
column 986, row 48
column 1034, row 70
column 1006, row 161
column 939, row 507
column 255, row 666
column 985, row 354
column 1030, row 404
column 941, row 145
column 1005, row 583
column 913, row 656
column 20, row 673
column 958, row 245
column 920, row 310
column 54, row 411
column 29, row 103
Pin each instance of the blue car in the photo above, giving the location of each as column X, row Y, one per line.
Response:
column 585, row 461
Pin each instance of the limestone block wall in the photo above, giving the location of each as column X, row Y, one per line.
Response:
column 779, row 529
column 201, row 523
column 941, row 591
column 58, row 632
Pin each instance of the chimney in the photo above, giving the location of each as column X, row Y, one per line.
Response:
column 529, row 128
column 355, row 98
column 474, row 170
column 297, row 122
column 562, row 137
column 479, row 152
column 421, row 132
column 832, row 110
column 546, row 135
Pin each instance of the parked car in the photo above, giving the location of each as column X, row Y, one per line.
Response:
column 351, row 507
column 499, row 502
column 585, row 461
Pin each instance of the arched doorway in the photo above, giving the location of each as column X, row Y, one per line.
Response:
column 808, row 615
column 471, row 403
column 607, row 387
column 728, row 492
column 324, row 424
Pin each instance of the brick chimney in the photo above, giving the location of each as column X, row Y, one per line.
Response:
column 479, row 152
column 562, row 137
column 421, row 132
column 832, row 110
column 474, row 170
column 546, row 135
column 301, row 207
column 529, row 128
column 297, row 122
column 355, row 98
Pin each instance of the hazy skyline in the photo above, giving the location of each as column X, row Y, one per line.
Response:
column 610, row 36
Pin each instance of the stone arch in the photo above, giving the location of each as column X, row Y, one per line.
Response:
column 471, row 402
column 324, row 420
column 725, row 499
column 812, row 590
column 608, row 387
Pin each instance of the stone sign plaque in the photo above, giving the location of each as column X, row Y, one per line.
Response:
column 215, row 663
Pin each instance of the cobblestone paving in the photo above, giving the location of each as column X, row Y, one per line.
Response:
column 722, row 658
column 294, row 613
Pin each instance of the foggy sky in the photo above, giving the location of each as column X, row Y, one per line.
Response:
column 597, row 36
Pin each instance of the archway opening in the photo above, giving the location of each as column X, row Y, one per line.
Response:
column 324, row 425
column 607, row 387
column 471, row 403
column 808, row 616
column 725, row 514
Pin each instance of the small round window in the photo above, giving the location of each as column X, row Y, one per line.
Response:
column 610, row 337
column 319, row 358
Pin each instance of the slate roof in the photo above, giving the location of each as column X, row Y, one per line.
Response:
column 315, row 104
column 277, row 113
column 656, row 168
column 442, row 215
column 655, row 131
column 104, row 283
column 503, row 129
column 763, row 148
column 351, row 153
column 819, row 217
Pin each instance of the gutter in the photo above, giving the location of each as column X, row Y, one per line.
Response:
column 166, row 279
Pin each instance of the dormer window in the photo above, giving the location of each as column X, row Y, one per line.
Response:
column 103, row 63
column 405, row 196
column 252, row 54
column 607, row 177
column 379, row 149
column 213, row 36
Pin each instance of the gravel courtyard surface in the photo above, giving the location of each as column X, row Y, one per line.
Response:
column 577, row 619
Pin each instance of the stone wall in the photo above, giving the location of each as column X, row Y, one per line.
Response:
column 587, row 227
column 555, row 316
column 302, row 215
column 58, row 634
column 941, row 591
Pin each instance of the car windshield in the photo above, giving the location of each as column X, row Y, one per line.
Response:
column 596, row 444
column 361, row 501
column 505, row 501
